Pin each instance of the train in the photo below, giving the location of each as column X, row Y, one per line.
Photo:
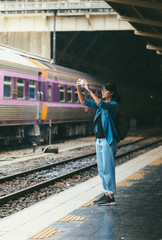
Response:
column 39, row 100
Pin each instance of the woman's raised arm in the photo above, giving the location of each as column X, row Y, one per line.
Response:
column 80, row 95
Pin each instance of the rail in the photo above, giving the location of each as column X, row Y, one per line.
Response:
column 29, row 189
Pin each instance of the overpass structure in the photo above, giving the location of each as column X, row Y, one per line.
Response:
column 90, row 38
column 145, row 16
column 72, row 15
column 28, row 24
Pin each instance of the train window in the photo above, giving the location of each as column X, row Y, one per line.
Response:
column 7, row 86
column 88, row 95
column 69, row 94
column 20, row 88
column 76, row 96
column 83, row 92
column 50, row 94
column 99, row 94
column 94, row 91
column 62, row 93
column 32, row 87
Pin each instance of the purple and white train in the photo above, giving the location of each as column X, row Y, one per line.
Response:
column 36, row 95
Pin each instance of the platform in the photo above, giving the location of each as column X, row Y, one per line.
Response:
column 70, row 215
column 137, row 215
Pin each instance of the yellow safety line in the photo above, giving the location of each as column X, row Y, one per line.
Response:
column 135, row 176
column 143, row 171
column 156, row 162
column 64, row 218
column 139, row 174
column 68, row 218
column 51, row 233
column 123, row 183
column 38, row 234
column 47, row 232
column 89, row 203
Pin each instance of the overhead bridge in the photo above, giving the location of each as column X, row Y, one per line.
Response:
column 76, row 15
column 28, row 24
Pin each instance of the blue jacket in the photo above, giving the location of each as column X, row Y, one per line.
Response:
column 109, row 111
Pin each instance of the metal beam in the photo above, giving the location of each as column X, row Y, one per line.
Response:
column 138, row 3
column 152, row 47
column 159, row 52
column 147, row 34
column 137, row 11
column 53, row 9
column 67, row 46
column 87, row 49
column 139, row 20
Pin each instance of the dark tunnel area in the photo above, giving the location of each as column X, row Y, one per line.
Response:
column 117, row 56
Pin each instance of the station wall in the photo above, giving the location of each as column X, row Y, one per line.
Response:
column 34, row 42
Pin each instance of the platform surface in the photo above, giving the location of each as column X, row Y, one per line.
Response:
column 137, row 215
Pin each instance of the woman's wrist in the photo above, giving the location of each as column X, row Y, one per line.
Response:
column 89, row 90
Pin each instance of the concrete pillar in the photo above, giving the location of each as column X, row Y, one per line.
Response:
column 34, row 42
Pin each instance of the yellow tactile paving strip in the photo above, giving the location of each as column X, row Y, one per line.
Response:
column 135, row 176
column 50, row 231
column 156, row 162
column 68, row 218
column 126, row 182
column 46, row 233
column 89, row 203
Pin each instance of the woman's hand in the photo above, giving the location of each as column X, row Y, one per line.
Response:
column 86, row 85
column 78, row 83
column 83, row 83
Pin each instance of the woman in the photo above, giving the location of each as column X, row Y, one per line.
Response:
column 106, row 135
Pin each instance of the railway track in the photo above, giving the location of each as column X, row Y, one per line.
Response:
column 49, row 166
column 34, row 187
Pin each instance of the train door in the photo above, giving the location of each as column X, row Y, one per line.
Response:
column 40, row 98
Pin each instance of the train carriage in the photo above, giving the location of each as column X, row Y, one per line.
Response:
column 39, row 98
column 36, row 95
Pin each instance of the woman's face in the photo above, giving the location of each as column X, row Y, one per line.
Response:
column 106, row 94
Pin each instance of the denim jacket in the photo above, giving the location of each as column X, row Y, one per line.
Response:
column 109, row 111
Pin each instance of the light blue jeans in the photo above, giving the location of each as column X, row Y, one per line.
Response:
column 106, row 164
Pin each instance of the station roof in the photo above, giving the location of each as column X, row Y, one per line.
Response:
column 145, row 16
